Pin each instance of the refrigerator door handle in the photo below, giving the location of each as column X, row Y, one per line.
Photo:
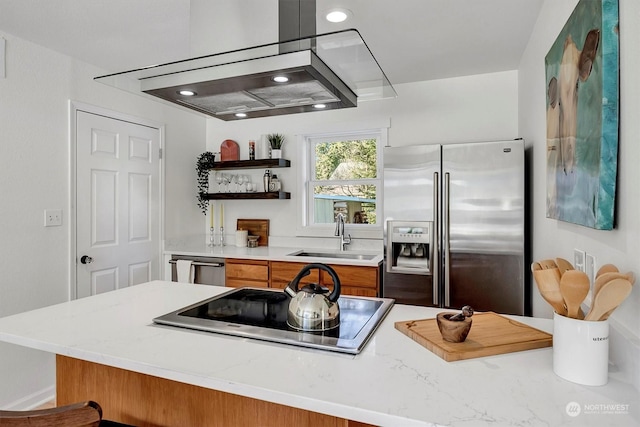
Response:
column 435, row 243
column 445, row 239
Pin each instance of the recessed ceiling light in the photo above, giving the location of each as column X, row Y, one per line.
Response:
column 241, row 115
column 338, row 15
column 186, row 92
column 319, row 106
column 280, row 79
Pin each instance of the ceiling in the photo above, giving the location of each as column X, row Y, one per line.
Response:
column 418, row 40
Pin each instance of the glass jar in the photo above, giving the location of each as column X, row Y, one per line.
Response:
column 274, row 184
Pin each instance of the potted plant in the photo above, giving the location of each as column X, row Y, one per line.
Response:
column 276, row 141
column 205, row 162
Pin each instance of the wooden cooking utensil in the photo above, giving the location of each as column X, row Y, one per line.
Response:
column 564, row 265
column 604, row 278
column 574, row 287
column 535, row 266
column 607, row 268
column 609, row 298
column 632, row 279
column 548, row 282
column 547, row 263
column 607, row 314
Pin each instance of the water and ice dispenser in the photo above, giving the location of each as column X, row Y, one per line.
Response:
column 409, row 247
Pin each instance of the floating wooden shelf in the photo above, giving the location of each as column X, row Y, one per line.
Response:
column 240, row 196
column 252, row 164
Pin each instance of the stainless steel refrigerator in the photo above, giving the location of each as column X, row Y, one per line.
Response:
column 455, row 231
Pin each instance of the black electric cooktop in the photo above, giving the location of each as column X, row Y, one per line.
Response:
column 261, row 314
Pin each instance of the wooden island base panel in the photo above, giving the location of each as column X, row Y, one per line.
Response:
column 145, row 400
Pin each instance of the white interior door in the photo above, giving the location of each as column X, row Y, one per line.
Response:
column 117, row 204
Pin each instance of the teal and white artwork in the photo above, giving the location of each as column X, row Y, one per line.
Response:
column 582, row 77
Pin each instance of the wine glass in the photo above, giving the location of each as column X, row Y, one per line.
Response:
column 219, row 180
column 238, row 183
column 227, row 180
column 246, row 180
column 241, row 181
column 234, row 178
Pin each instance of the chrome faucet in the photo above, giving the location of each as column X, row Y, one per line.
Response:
column 344, row 241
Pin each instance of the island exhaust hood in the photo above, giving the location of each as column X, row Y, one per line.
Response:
column 327, row 71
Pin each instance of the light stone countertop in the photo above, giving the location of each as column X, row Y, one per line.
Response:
column 393, row 382
column 268, row 253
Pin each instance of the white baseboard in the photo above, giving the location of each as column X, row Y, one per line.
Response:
column 33, row 400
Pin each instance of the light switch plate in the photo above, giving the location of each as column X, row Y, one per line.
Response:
column 52, row 217
column 578, row 259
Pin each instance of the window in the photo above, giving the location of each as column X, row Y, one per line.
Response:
column 343, row 177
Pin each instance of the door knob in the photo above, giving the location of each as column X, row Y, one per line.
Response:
column 86, row 259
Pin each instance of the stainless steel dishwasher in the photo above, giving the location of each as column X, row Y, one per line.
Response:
column 208, row 270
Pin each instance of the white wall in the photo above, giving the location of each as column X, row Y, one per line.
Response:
column 214, row 26
column 558, row 239
column 474, row 108
column 34, row 175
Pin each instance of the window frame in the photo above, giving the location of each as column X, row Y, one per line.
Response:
column 307, row 226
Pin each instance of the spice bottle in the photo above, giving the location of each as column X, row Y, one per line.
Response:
column 252, row 150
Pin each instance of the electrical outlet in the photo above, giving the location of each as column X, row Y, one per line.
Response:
column 578, row 259
column 52, row 217
column 590, row 266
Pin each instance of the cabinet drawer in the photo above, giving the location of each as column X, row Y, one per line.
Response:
column 362, row 277
column 284, row 272
column 278, row 284
column 355, row 280
column 252, row 270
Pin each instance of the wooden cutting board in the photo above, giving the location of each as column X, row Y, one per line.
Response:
column 490, row 334
column 256, row 227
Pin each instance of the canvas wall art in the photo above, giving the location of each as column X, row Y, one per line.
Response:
column 582, row 76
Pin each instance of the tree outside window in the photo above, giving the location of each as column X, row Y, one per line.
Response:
column 344, row 178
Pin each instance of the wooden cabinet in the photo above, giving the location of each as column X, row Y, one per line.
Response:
column 354, row 280
column 283, row 272
column 245, row 272
column 141, row 399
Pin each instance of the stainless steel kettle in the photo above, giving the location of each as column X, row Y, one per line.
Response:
column 310, row 308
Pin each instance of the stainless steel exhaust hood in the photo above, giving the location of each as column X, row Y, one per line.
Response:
column 326, row 71
column 248, row 88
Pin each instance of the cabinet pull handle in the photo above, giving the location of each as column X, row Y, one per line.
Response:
column 202, row 264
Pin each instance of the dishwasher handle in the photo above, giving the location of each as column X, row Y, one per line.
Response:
column 201, row 264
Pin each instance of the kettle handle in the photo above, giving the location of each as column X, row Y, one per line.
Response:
column 306, row 270
column 292, row 287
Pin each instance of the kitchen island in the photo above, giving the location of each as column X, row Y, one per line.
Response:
column 393, row 382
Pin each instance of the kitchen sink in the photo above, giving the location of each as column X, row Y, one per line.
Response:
column 341, row 255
